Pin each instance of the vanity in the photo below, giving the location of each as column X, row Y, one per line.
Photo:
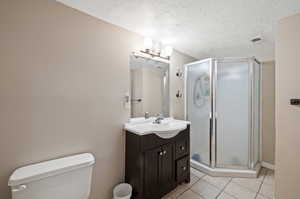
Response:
column 157, row 146
column 157, row 156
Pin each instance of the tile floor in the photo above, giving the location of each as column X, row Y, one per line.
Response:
column 203, row 186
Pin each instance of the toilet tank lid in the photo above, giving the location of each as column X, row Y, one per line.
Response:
column 50, row 168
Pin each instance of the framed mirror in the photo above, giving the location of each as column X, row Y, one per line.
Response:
column 149, row 87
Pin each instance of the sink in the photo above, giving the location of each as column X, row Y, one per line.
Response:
column 168, row 127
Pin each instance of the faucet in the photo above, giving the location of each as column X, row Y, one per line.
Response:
column 159, row 118
column 147, row 116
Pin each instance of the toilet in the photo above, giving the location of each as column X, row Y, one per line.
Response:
column 64, row 178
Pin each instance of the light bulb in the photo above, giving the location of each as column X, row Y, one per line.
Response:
column 168, row 51
column 148, row 43
column 157, row 47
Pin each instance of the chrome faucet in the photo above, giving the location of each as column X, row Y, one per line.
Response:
column 159, row 118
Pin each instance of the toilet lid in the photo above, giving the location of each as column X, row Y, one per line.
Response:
column 49, row 168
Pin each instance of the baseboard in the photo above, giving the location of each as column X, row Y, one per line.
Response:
column 268, row 165
column 222, row 172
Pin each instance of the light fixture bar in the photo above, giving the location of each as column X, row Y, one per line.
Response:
column 154, row 49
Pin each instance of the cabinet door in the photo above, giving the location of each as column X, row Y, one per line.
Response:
column 166, row 173
column 151, row 173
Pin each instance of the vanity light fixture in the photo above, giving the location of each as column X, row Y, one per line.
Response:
column 179, row 94
column 168, row 51
column 179, row 73
column 156, row 49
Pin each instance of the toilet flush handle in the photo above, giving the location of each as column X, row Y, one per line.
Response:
column 19, row 188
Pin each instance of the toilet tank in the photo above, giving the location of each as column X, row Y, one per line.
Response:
column 64, row 178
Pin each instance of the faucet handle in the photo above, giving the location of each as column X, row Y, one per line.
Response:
column 160, row 115
column 147, row 115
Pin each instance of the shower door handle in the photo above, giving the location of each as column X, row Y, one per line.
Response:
column 211, row 127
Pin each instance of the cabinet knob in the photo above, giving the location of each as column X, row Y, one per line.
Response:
column 183, row 168
column 161, row 153
column 165, row 152
column 182, row 148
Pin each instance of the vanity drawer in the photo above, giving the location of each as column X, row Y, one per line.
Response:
column 182, row 147
column 182, row 169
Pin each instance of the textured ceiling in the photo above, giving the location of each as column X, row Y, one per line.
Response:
column 200, row 28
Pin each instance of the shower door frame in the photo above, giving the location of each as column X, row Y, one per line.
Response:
column 211, row 126
column 212, row 135
column 213, row 115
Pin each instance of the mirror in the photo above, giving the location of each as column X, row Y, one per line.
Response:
column 149, row 87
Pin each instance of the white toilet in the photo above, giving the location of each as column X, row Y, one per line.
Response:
column 64, row 178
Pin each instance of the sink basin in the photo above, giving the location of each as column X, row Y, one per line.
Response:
column 168, row 128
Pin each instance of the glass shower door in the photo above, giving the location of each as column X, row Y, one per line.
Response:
column 232, row 113
column 198, row 110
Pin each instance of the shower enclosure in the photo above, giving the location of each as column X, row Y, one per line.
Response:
column 222, row 101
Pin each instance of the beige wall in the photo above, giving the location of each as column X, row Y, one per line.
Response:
column 287, row 173
column 63, row 76
column 177, row 104
column 268, row 112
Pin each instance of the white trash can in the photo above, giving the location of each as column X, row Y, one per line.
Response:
column 122, row 191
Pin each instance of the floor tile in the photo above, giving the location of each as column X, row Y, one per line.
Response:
column 203, row 186
column 219, row 182
column 197, row 173
column 179, row 190
column 269, row 178
column 224, row 195
column 169, row 195
column 190, row 195
column 250, row 183
column 260, row 197
column 205, row 189
column 239, row 191
column 267, row 190
column 193, row 180
column 183, row 187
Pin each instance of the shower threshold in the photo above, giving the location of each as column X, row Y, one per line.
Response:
column 223, row 172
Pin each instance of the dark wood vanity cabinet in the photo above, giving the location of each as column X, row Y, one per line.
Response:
column 155, row 166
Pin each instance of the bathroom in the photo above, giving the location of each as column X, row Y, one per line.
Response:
column 66, row 84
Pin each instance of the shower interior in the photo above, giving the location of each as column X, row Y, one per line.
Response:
column 223, row 103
